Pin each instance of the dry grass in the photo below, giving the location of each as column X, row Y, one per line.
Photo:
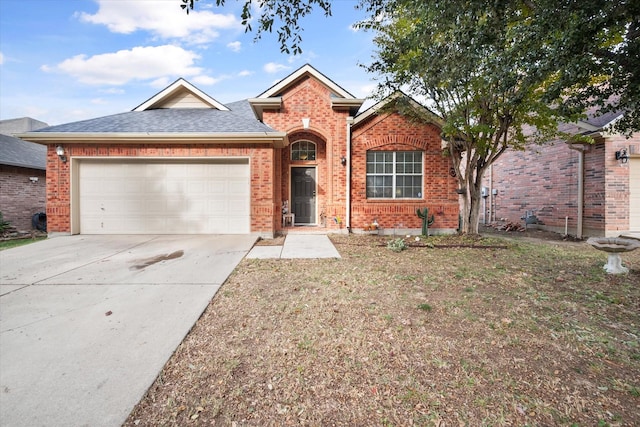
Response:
column 535, row 334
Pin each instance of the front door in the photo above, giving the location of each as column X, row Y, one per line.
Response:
column 303, row 194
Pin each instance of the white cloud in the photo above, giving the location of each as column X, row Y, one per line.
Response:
column 273, row 67
column 1, row 58
column 206, row 80
column 113, row 91
column 235, row 46
column 245, row 73
column 139, row 63
column 98, row 101
column 160, row 83
column 163, row 18
column 366, row 90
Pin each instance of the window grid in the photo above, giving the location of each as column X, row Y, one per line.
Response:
column 303, row 150
column 394, row 174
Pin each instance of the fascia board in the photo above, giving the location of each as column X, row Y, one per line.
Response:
column 171, row 89
column 293, row 77
column 258, row 105
column 379, row 105
column 346, row 103
column 276, row 138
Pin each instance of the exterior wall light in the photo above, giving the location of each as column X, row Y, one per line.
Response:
column 60, row 153
column 622, row 155
column 343, row 160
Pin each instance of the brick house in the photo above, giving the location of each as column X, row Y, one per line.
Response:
column 22, row 173
column 575, row 189
column 183, row 163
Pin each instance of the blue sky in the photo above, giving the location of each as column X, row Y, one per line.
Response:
column 68, row 60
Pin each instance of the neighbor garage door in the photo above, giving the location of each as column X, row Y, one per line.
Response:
column 634, row 194
column 164, row 197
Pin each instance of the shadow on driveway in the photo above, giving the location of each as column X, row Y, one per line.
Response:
column 88, row 322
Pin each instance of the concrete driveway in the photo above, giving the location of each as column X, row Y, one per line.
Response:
column 87, row 322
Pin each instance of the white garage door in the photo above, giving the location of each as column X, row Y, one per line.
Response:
column 164, row 197
column 634, row 194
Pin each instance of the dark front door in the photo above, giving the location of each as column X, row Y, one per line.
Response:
column 303, row 193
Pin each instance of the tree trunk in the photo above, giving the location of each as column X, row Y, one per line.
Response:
column 471, row 202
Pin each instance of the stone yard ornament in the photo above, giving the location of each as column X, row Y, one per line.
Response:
column 614, row 246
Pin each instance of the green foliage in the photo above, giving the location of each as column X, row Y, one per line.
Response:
column 425, row 307
column 397, row 245
column 4, row 225
column 500, row 75
column 586, row 53
column 285, row 14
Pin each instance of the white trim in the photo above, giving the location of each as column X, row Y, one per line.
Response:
column 175, row 87
column 300, row 72
column 315, row 151
column 76, row 162
column 374, row 109
column 258, row 105
column 279, row 139
column 394, row 175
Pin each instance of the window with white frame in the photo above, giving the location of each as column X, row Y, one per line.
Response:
column 303, row 150
column 394, row 174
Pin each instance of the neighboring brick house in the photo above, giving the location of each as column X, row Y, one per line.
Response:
column 183, row 163
column 22, row 173
column 580, row 190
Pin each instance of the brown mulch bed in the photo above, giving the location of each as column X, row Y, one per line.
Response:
column 535, row 334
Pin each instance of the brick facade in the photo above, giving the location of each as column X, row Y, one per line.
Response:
column 393, row 132
column 306, row 97
column 20, row 197
column 328, row 131
column 544, row 179
column 263, row 206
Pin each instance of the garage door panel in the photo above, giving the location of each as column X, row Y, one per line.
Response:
column 152, row 197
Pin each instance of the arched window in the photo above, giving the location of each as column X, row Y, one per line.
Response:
column 303, row 150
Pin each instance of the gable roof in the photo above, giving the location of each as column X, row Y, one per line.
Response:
column 16, row 152
column 271, row 98
column 293, row 78
column 179, row 87
column 165, row 125
column 394, row 97
column 181, row 112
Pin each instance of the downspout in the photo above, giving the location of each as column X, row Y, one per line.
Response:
column 347, row 220
column 490, row 193
column 580, row 193
column 579, row 225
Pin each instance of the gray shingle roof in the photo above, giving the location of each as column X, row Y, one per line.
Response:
column 20, row 125
column 16, row 152
column 239, row 119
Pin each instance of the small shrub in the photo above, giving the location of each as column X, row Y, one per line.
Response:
column 4, row 225
column 425, row 307
column 397, row 245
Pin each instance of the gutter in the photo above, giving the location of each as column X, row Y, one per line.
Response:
column 279, row 139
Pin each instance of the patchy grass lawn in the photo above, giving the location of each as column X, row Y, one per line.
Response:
column 13, row 243
column 531, row 334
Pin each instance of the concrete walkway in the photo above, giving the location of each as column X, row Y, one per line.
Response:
column 88, row 322
column 298, row 246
